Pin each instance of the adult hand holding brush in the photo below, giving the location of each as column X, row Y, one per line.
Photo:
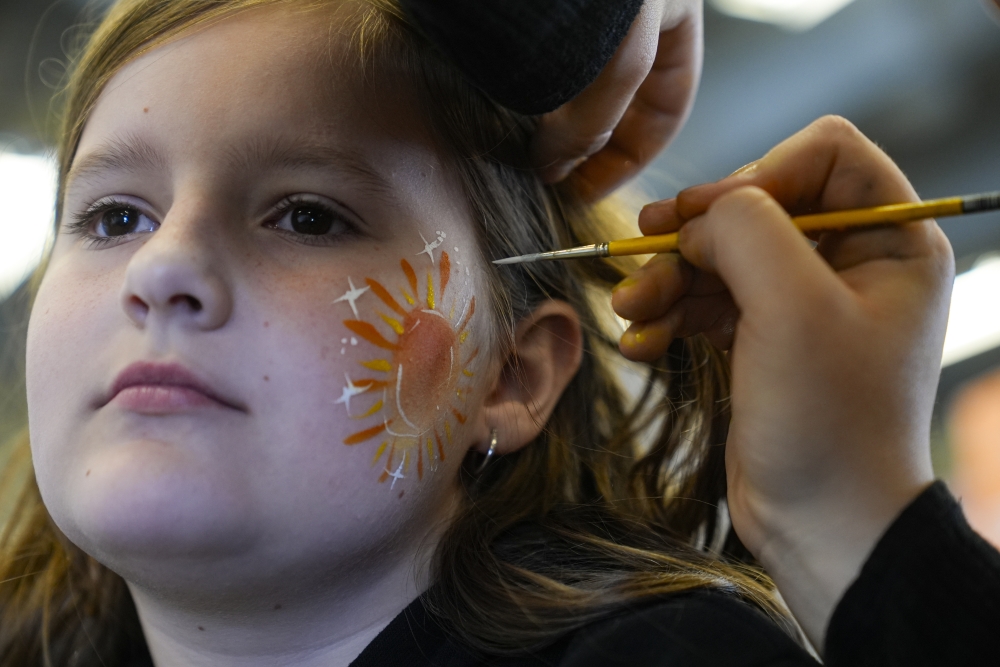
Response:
column 835, row 351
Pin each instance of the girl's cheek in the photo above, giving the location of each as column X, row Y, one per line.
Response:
column 412, row 360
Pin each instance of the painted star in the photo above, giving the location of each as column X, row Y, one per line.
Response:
column 431, row 246
column 352, row 295
column 350, row 391
column 398, row 475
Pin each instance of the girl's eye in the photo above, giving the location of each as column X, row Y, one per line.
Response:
column 311, row 221
column 122, row 221
column 110, row 221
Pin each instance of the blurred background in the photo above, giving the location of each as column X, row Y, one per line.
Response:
column 920, row 77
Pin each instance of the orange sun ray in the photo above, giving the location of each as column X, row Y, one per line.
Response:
column 367, row 434
column 382, row 293
column 370, row 384
column 445, row 268
column 393, row 330
column 468, row 315
column 369, row 333
column 411, row 275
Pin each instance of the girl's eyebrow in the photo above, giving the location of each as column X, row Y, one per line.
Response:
column 263, row 154
column 259, row 155
column 128, row 154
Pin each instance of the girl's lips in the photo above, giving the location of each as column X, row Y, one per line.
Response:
column 156, row 388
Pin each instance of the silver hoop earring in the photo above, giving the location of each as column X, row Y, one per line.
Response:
column 489, row 454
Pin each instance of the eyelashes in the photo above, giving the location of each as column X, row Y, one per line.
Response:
column 109, row 221
column 306, row 219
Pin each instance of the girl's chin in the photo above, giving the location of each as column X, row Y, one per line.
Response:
column 152, row 501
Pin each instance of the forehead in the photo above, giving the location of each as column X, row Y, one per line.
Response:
column 254, row 83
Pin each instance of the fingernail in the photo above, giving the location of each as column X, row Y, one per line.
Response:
column 633, row 337
column 625, row 284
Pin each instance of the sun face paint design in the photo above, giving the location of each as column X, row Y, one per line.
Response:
column 418, row 386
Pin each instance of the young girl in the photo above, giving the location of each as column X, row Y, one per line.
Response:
column 283, row 411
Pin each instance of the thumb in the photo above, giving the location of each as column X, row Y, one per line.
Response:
column 748, row 240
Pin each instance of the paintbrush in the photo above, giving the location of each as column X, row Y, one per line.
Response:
column 837, row 220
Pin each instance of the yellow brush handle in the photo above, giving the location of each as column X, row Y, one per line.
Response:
column 643, row 245
column 896, row 213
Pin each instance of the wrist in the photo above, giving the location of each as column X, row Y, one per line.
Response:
column 816, row 549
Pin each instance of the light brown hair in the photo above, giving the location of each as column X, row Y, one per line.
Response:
column 610, row 507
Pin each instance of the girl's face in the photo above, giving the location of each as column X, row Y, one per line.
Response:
column 256, row 347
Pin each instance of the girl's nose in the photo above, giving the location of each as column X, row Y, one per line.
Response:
column 173, row 278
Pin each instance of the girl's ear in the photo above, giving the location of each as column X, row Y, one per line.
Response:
column 548, row 347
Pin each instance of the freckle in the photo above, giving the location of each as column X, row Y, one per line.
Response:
column 401, row 494
column 145, row 110
column 277, row 606
column 201, row 628
column 88, row 474
column 267, row 324
column 267, row 379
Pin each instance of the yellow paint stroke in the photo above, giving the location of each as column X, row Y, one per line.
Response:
column 378, row 365
column 395, row 324
column 430, row 448
column 372, row 410
column 467, row 373
column 409, row 299
column 463, row 336
column 380, row 452
column 447, row 432
column 430, row 291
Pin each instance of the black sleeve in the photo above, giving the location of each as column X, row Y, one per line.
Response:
column 701, row 629
column 928, row 595
column 528, row 55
